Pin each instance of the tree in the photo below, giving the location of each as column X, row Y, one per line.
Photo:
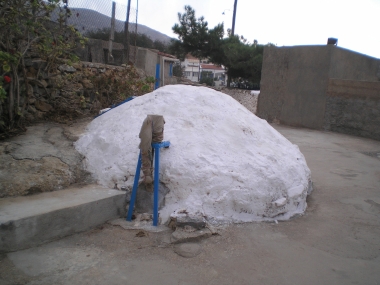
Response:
column 26, row 29
column 194, row 35
column 207, row 77
column 242, row 59
column 178, row 69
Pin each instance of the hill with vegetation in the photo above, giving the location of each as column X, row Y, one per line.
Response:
column 86, row 20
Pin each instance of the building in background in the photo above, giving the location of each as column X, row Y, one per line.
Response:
column 216, row 72
column 191, row 68
column 194, row 69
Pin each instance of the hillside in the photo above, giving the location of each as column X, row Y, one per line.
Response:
column 86, row 20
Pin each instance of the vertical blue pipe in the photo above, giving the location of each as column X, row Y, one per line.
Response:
column 134, row 190
column 171, row 70
column 156, row 181
column 157, row 83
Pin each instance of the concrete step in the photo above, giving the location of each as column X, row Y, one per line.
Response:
column 29, row 221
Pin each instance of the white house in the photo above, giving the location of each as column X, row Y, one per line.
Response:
column 193, row 68
column 217, row 72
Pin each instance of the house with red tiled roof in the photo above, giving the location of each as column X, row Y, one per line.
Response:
column 193, row 68
column 217, row 72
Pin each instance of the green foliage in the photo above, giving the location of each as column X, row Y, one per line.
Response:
column 178, row 70
column 3, row 93
column 115, row 86
column 6, row 59
column 26, row 30
column 140, row 40
column 145, row 88
column 207, row 77
column 150, row 79
column 242, row 59
column 194, row 35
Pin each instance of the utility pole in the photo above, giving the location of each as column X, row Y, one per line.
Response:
column 66, row 2
column 135, row 48
column 232, row 34
column 233, row 19
column 112, row 33
column 126, row 36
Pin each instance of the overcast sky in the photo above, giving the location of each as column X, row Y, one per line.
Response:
column 356, row 23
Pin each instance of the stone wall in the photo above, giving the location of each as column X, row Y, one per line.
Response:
column 84, row 88
column 353, row 107
column 244, row 97
column 79, row 90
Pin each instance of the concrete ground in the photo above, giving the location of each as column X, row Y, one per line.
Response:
column 337, row 240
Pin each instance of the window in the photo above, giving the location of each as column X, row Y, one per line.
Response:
column 187, row 73
column 195, row 74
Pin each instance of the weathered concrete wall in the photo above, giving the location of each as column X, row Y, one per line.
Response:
column 293, row 85
column 142, row 58
column 147, row 60
column 346, row 64
column 166, row 79
column 299, row 87
column 95, row 51
column 353, row 107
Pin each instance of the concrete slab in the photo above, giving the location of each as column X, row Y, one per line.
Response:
column 139, row 225
column 32, row 220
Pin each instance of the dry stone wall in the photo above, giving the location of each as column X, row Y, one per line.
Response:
column 244, row 97
column 79, row 90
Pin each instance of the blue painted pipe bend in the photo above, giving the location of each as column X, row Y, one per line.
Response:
column 156, row 146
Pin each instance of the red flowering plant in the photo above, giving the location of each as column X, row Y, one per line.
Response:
column 6, row 59
column 25, row 33
column 7, row 79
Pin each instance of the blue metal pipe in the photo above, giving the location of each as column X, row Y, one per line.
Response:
column 156, row 147
column 134, row 190
column 156, row 182
column 157, row 83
